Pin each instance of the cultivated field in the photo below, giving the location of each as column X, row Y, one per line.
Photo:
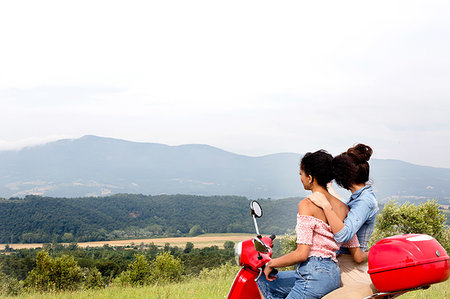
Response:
column 200, row 241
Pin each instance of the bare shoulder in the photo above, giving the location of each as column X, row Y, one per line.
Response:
column 306, row 207
column 340, row 208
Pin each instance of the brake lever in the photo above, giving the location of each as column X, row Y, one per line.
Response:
column 273, row 273
column 260, row 273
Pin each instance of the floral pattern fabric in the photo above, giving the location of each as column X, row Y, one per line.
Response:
column 316, row 233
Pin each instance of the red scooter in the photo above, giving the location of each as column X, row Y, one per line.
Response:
column 252, row 255
column 397, row 264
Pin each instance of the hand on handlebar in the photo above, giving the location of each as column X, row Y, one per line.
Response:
column 270, row 272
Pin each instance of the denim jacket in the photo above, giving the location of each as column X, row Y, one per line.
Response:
column 360, row 219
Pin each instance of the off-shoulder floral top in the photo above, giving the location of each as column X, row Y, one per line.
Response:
column 316, row 233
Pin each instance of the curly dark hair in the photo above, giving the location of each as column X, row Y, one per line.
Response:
column 352, row 167
column 319, row 166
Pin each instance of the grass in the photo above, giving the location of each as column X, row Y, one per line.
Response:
column 210, row 284
column 439, row 290
column 213, row 283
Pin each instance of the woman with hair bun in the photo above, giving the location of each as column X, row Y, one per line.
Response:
column 351, row 171
column 316, row 272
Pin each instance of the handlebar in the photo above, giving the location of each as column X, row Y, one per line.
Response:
column 272, row 273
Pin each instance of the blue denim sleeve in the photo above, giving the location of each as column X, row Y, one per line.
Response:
column 357, row 216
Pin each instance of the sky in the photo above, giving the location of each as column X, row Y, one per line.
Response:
column 250, row 77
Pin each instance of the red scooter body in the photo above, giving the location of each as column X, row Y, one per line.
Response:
column 244, row 285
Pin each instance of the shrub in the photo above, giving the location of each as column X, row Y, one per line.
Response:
column 9, row 286
column 94, row 279
column 139, row 270
column 288, row 243
column 62, row 273
column 167, row 268
column 228, row 245
column 189, row 247
column 425, row 218
column 196, row 230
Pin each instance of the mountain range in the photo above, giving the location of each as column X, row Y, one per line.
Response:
column 98, row 166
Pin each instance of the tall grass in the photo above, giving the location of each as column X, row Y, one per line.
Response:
column 440, row 291
column 213, row 283
column 209, row 284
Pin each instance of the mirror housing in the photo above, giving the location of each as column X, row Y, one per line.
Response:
column 256, row 209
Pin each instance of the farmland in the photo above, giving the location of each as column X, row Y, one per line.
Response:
column 202, row 241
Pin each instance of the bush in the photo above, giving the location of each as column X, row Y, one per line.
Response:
column 62, row 273
column 425, row 218
column 9, row 286
column 94, row 279
column 196, row 230
column 167, row 268
column 139, row 271
column 189, row 247
column 228, row 245
column 288, row 243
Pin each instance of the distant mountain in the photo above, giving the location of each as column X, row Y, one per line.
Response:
column 96, row 166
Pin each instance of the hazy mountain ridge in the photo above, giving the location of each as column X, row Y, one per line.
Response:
column 96, row 166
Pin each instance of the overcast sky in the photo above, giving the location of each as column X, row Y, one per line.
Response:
column 251, row 77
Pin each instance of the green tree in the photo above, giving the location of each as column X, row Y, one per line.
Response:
column 139, row 270
column 425, row 218
column 196, row 230
column 9, row 286
column 67, row 237
column 228, row 245
column 167, row 268
column 61, row 273
column 189, row 247
column 94, row 279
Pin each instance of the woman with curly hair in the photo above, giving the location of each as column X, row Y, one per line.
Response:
column 316, row 271
column 351, row 171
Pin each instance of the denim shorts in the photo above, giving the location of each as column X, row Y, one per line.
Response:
column 313, row 278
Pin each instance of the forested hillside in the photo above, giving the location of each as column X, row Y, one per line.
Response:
column 97, row 166
column 122, row 216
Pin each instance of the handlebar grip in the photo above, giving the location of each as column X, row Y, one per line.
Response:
column 272, row 236
column 274, row 272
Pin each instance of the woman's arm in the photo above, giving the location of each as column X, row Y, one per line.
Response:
column 359, row 256
column 356, row 217
column 300, row 254
column 292, row 258
column 321, row 201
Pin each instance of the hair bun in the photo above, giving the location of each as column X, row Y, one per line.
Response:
column 360, row 152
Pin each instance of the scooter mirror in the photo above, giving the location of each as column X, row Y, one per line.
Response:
column 256, row 209
column 260, row 246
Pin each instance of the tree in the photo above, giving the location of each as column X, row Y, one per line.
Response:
column 196, row 230
column 167, row 268
column 139, row 270
column 425, row 218
column 228, row 245
column 61, row 273
column 94, row 279
column 9, row 286
column 189, row 247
